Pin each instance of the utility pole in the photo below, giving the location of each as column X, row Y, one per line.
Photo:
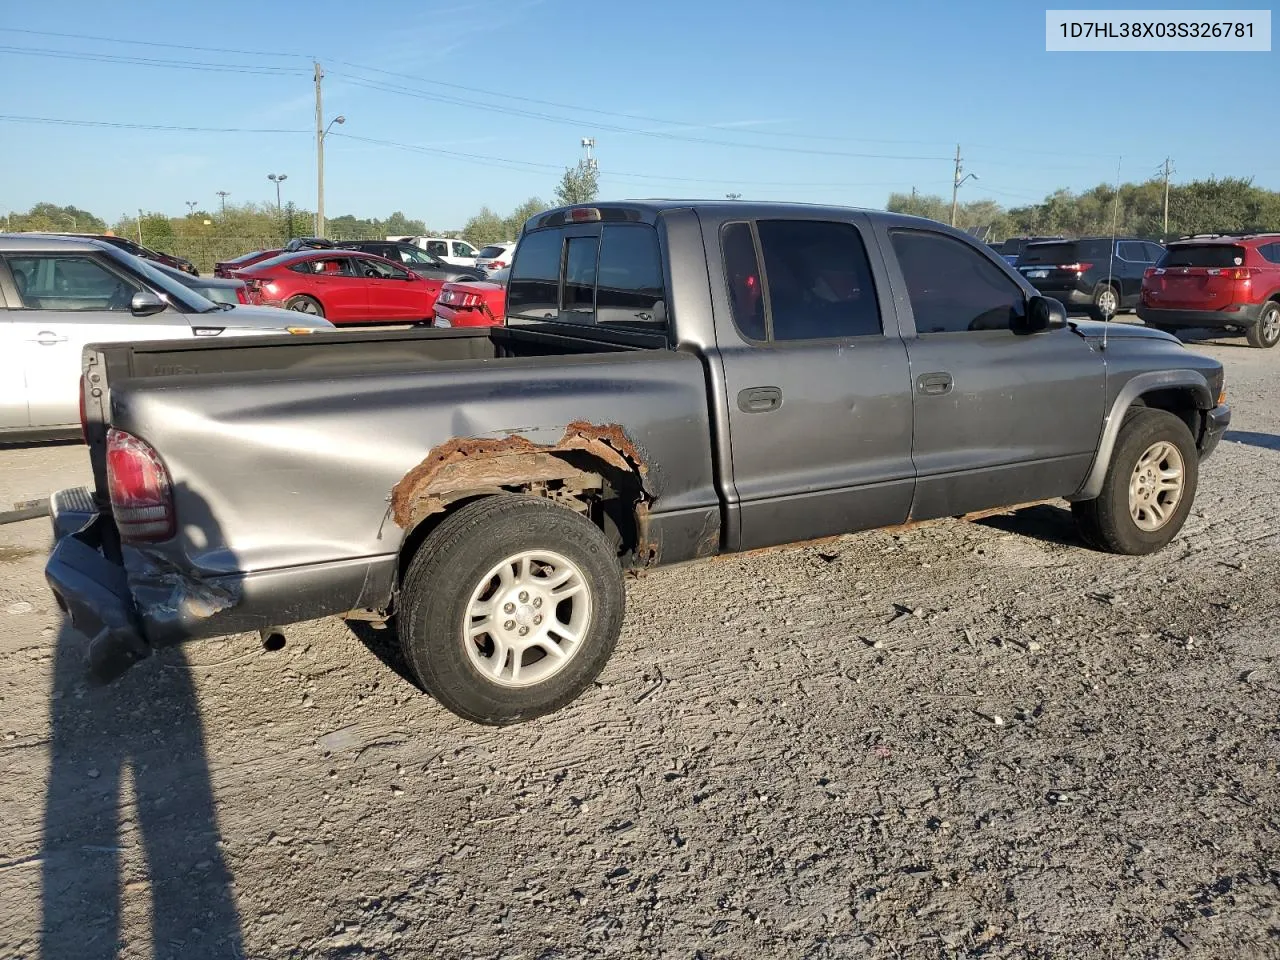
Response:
column 1167, row 167
column 139, row 226
column 319, row 154
column 955, row 187
column 222, row 195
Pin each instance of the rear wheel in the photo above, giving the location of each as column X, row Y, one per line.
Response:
column 1266, row 332
column 1106, row 302
column 1149, row 487
column 305, row 304
column 511, row 608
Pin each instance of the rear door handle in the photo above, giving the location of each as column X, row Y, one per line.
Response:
column 934, row 384
column 759, row 399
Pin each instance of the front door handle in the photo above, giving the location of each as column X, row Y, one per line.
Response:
column 759, row 399
column 934, row 384
column 48, row 338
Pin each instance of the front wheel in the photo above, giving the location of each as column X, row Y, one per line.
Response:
column 1266, row 332
column 511, row 608
column 1149, row 487
column 304, row 304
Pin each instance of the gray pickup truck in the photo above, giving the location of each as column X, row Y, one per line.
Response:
column 674, row 380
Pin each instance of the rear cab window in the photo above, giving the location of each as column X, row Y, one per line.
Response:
column 1203, row 255
column 815, row 283
column 605, row 275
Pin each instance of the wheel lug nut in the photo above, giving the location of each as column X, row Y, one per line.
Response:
column 523, row 631
column 537, row 620
column 509, row 608
column 509, row 625
column 537, row 601
column 524, row 596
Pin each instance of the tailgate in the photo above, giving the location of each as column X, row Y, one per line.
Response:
column 1196, row 288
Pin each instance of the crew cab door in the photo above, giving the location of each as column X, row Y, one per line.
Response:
column 818, row 393
column 13, row 385
column 1000, row 418
column 67, row 301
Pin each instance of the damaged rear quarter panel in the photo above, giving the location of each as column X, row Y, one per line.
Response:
column 293, row 470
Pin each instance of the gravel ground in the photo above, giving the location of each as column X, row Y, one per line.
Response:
column 961, row 740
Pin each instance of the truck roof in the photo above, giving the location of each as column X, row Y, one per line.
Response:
column 648, row 211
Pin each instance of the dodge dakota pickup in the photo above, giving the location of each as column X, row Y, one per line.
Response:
column 674, row 380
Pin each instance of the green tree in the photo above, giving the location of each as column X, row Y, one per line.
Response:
column 515, row 220
column 580, row 184
column 52, row 218
column 485, row 227
column 399, row 225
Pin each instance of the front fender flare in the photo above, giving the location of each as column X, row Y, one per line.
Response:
column 1193, row 380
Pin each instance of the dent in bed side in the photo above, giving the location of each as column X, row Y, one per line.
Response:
column 1134, row 388
column 167, row 596
column 589, row 461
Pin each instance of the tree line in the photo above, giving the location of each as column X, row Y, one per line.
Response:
column 1227, row 205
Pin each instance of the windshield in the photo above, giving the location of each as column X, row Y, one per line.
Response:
column 1203, row 255
column 414, row 255
column 173, row 291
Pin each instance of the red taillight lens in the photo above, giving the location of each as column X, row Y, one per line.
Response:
column 470, row 300
column 141, row 495
column 1076, row 267
column 496, row 264
column 1148, row 273
column 242, row 294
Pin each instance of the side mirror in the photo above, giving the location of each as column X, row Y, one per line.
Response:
column 145, row 304
column 1043, row 313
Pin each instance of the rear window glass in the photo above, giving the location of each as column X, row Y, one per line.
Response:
column 491, row 251
column 534, row 288
column 580, row 275
column 1049, row 253
column 1203, row 255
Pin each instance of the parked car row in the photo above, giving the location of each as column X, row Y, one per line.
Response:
column 60, row 293
column 1221, row 282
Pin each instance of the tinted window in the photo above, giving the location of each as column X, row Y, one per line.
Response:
column 952, row 287
column 1203, row 255
column 1048, row 253
column 580, row 275
column 742, row 271
column 534, row 285
column 379, row 269
column 1154, row 252
column 69, row 283
column 414, row 255
column 438, row 247
column 1270, row 252
column 1132, row 250
column 818, row 280
column 629, row 282
column 325, row 266
column 491, row 251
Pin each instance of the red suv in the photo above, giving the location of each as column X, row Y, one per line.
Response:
column 1218, row 281
column 342, row 286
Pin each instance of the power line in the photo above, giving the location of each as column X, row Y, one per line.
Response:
column 12, row 118
column 152, row 43
column 268, row 71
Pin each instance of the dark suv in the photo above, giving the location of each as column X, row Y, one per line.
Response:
column 415, row 258
column 1094, row 275
column 146, row 253
column 1222, row 282
column 1011, row 248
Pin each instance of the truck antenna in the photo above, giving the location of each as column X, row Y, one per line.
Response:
column 1111, row 255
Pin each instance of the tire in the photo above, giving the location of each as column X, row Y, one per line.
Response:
column 481, row 677
column 1106, row 302
column 305, row 304
column 1266, row 332
column 1108, row 522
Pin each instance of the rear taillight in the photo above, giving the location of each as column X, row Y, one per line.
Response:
column 242, row 294
column 1148, row 273
column 1076, row 267
column 141, row 494
column 496, row 264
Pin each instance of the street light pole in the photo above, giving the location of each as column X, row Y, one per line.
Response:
column 191, row 206
column 222, row 195
column 279, row 178
column 73, row 221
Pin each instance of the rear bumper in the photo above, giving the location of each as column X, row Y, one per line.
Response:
column 1216, row 422
column 1238, row 315
column 446, row 316
column 92, row 590
column 128, row 607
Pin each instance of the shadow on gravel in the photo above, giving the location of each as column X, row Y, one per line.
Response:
column 1267, row 441
column 145, row 727
column 384, row 644
column 1044, row 521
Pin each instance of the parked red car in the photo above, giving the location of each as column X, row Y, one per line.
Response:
column 1217, row 281
column 473, row 303
column 342, row 286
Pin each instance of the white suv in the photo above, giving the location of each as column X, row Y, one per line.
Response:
column 496, row 256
